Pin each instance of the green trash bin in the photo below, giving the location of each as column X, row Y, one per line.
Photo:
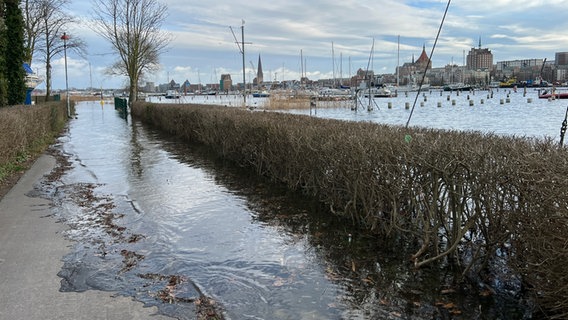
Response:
column 57, row 97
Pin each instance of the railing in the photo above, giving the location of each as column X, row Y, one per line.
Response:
column 121, row 105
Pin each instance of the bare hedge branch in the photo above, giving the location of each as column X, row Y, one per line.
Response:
column 456, row 197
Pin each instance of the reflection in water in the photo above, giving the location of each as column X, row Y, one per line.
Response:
column 176, row 223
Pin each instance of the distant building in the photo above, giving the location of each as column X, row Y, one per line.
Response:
column 479, row 59
column 423, row 62
column 173, row 85
column 521, row 70
column 518, row 64
column 561, row 59
column 259, row 73
column 409, row 72
column 560, row 74
column 149, row 87
column 163, row 87
column 480, row 70
column 186, row 87
column 452, row 73
column 226, row 82
column 362, row 76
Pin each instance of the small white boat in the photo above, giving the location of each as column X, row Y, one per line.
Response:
column 377, row 92
column 261, row 94
column 31, row 78
column 334, row 92
column 32, row 81
column 413, row 87
column 172, row 94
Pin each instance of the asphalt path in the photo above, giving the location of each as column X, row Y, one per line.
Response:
column 31, row 250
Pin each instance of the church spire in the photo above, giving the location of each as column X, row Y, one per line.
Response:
column 479, row 42
column 259, row 73
column 423, row 60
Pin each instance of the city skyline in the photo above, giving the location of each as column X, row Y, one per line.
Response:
column 334, row 39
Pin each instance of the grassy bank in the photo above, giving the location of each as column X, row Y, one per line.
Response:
column 26, row 132
column 476, row 202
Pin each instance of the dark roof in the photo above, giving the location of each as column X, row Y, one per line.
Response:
column 423, row 56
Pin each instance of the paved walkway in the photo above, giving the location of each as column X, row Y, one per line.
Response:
column 31, row 249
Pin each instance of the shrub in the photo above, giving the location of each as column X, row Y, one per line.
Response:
column 27, row 130
column 463, row 198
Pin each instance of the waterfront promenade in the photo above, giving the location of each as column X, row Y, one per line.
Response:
column 31, row 249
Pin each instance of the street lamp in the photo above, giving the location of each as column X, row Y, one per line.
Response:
column 65, row 37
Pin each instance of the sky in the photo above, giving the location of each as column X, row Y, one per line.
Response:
column 332, row 38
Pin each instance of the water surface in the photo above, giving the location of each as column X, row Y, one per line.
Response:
column 146, row 209
column 500, row 111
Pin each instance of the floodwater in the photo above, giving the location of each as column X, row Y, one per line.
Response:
column 167, row 223
column 499, row 111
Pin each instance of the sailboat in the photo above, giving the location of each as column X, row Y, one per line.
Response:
column 32, row 79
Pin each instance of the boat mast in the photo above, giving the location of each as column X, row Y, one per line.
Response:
column 368, row 79
column 463, row 68
column 369, row 107
column 305, row 67
column 341, row 68
column 397, row 61
column 333, row 65
column 301, row 69
column 350, row 68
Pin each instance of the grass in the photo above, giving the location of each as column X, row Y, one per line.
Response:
column 27, row 131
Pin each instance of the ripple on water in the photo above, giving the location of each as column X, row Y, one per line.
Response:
column 258, row 251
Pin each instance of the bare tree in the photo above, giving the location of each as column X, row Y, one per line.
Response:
column 46, row 21
column 133, row 29
column 55, row 23
column 32, row 12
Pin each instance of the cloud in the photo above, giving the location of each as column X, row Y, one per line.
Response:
column 203, row 45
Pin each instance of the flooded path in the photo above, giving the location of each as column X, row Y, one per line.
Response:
column 174, row 227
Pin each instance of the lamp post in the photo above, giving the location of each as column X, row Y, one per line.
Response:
column 65, row 37
column 243, row 52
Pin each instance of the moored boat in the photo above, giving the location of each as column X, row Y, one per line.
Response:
column 172, row 94
column 377, row 92
column 552, row 95
column 32, row 81
column 509, row 83
column 335, row 92
column 458, row 87
column 261, row 94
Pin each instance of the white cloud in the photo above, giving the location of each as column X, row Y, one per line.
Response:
column 204, row 48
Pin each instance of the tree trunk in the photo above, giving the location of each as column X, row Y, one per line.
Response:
column 47, row 80
column 133, row 90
